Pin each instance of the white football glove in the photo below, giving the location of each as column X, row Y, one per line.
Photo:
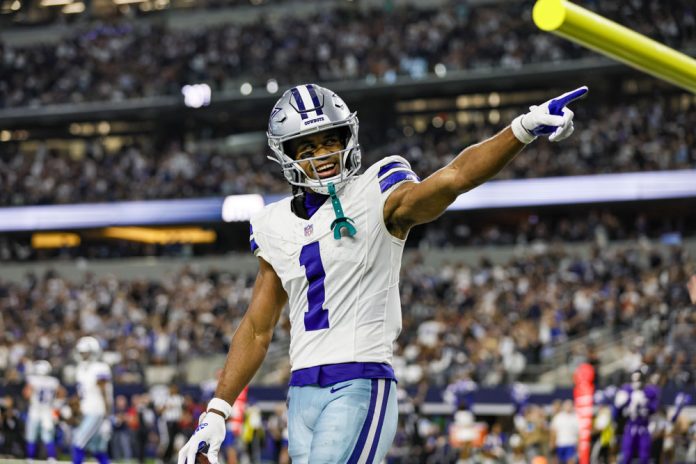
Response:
column 550, row 118
column 210, row 433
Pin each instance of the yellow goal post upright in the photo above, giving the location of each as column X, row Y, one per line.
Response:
column 598, row 33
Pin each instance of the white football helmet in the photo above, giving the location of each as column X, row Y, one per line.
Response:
column 42, row 368
column 307, row 109
column 88, row 348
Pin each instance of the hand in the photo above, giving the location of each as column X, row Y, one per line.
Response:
column 551, row 118
column 691, row 286
column 210, row 432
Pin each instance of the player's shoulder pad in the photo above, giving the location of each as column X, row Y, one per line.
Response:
column 390, row 171
column 262, row 223
column 268, row 212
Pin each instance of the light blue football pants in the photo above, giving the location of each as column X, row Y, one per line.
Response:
column 90, row 436
column 351, row 422
column 39, row 426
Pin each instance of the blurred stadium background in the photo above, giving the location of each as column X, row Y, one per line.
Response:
column 132, row 153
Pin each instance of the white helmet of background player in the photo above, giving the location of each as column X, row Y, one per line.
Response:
column 88, row 348
column 42, row 368
column 308, row 109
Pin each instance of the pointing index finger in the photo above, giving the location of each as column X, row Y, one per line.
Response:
column 556, row 105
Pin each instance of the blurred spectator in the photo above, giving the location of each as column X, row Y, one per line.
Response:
column 122, row 438
column 114, row 62
column 607, row 141
column 171, row 411
column 11, row 428
column 565, row 432
column 691, row 285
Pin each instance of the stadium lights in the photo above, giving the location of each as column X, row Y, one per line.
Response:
column 246, row 88
column 241, row 207
column 272, row 86
column 46, row 3
column 54, row 240
column 74, row 8
column 159, row 236
column 196, row 95
column 103, row 128
column 16, row 5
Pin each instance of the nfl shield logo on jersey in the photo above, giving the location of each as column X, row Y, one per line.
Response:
column 308, row 230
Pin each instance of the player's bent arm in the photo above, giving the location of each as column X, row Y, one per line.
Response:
column 250, row 341
column 417, row 203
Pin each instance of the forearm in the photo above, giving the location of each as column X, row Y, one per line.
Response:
column 477, row 163
column 108, row 407
column 247, row 351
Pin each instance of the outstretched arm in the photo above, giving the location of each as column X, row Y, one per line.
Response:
column 418, row 203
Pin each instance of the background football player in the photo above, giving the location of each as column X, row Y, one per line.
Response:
column 96, row 400
column 333, row 253
column 42, row 390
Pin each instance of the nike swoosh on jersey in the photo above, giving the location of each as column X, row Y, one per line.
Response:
column 334, row 390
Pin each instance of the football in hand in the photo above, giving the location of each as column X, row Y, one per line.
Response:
column 202, row 458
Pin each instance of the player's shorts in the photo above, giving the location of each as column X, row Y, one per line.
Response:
column 565, row 453
column 40, row 426
column 349, row 422
column 91, row 434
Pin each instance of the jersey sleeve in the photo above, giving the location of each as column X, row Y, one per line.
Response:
column 256, row 242
column 393, row 171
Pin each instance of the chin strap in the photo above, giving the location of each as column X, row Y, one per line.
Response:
column 341, row 222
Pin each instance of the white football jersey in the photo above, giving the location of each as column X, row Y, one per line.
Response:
column 91, row 399
column 343, row 294
column 43, row 394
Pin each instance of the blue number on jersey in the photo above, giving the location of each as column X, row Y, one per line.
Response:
column 316, row 318
column 45, row 395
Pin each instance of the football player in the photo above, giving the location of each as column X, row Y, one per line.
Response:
column 42, row 390
column 637, row 401
column 332, row 252
column 96, row 399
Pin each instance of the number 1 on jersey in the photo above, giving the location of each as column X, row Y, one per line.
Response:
column 316, row 318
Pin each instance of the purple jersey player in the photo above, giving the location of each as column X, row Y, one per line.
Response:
column 637, row 402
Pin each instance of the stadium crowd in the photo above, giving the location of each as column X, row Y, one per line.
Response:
column 113, row 62
column 639, row 135
column 489, row 321
column 140, row 434
column 482, row 322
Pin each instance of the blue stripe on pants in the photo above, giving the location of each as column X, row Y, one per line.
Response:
column 88, row 428
column 362, row 438
column 382, row 413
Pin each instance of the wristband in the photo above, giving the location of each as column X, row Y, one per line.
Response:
column 522, row 134
column 220, row 405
